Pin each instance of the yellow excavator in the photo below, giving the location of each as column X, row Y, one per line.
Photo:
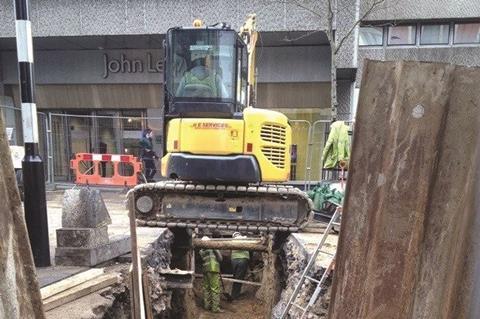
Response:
column 220, row 151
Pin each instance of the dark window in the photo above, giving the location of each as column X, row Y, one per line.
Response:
column 244, row 71
column 434, row 34
column 370, row 36
column 132, row 125
column 202, row 64
column 467, row 33
column 241, row 83
column 402, row 35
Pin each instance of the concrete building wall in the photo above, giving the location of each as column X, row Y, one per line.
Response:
column 422, row 9
column 95, row 17
column 150, row 96
column 421, row 12
column 469, row 56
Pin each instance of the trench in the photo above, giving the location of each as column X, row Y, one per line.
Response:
column 278, row 274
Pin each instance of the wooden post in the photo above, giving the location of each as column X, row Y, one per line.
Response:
column 230, row 244
column 136, row 291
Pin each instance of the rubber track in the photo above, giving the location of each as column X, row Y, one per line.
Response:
column 192, row 188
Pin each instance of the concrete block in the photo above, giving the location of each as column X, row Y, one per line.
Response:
column 82, row 237
column 79, row 256
column 84, row 208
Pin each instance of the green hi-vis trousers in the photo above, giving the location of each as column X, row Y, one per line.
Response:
column 211, row 291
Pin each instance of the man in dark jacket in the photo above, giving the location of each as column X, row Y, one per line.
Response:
column 148, row 155
column 240, row 259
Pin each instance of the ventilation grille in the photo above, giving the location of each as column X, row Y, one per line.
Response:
column 273, row 133
column 276, row 155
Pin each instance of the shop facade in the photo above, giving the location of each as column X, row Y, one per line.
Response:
column 99, row 85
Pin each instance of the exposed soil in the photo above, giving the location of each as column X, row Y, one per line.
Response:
column 247, row 306
column 295, row 259
column 157, row 256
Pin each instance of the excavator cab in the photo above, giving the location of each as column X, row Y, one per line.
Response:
column 206, row 73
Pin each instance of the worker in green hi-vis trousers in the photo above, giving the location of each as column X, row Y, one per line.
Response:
column 211, row 278
column 240, row 259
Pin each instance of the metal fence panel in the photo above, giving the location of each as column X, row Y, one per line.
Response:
column 99, row 134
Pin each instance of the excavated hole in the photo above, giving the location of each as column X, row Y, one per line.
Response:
column 277, row 272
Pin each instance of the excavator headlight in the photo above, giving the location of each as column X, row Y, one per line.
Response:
column 144, row 204
column 197, row 23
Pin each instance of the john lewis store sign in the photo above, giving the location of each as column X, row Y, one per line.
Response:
column 91, row 67
column 123, row 64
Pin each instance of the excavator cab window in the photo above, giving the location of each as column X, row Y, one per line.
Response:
column 242, row 75
column 201, row 74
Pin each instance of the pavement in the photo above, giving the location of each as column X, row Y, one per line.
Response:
column 115, row 202
column 93, row 304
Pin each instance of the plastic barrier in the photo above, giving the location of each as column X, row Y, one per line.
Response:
column 106, row 169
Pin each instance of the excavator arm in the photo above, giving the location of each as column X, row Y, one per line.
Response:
column 249, row 35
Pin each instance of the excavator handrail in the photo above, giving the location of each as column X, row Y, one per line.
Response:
column 249, row 35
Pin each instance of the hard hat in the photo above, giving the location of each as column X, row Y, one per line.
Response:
column 205, row 238
column 236, row 234
column 198, row 54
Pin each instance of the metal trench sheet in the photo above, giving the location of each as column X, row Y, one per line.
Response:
column 409, row 244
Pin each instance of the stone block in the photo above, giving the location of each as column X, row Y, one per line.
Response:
column 84, row 208
column 82, row 237
column 78, row 256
